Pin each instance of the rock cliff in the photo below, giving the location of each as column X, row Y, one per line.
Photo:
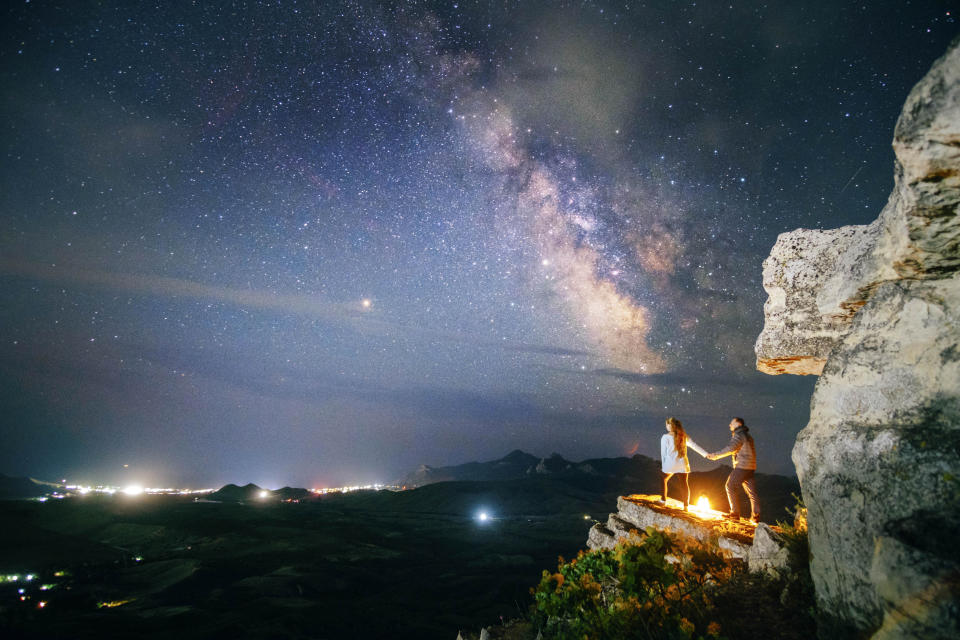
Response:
column 875, row 310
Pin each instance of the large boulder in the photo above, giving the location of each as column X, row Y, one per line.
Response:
column 879, row 307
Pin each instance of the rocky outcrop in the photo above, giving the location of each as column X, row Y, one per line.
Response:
column 761, row 547
column 879, row 307
column 797, row 337
column 769, row 550
column 817, row 280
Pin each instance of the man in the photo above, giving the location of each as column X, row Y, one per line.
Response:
column 744, row 466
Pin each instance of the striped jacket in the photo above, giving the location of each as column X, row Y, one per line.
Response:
column 741, row 448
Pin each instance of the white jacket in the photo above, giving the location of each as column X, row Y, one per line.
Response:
column 671, row 462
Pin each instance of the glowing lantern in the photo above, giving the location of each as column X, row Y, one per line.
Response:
column 703, row 503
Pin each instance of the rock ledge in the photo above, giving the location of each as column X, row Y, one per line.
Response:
column 760, row 546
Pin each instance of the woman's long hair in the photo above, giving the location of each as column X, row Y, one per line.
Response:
column 679, row 437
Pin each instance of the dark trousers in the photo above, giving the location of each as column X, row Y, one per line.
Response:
column 737, row 478
column 686, row 486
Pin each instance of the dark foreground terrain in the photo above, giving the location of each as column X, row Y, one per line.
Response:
column 414, row 564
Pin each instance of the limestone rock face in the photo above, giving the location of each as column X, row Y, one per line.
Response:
column 817, row 280
column 883, row 443
column 797, row 337
column 880, row 305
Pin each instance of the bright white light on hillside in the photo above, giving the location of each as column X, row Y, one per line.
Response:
column 483, row 516
column 264, row 494
column 133, row 490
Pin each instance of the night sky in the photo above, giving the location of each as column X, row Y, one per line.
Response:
column 322, row 243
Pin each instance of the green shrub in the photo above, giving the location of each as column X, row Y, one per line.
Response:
column 656, row 586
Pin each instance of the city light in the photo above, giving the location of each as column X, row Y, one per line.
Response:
column 366, row 487
column 74, row 490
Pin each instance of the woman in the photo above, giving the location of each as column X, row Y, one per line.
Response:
column 673, row 456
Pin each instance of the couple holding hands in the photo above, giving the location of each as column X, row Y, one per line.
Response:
column 673, row 455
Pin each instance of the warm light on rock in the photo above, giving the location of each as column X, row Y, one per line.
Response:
column 637, row 512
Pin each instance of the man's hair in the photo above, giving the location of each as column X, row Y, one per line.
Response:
column 739, row 421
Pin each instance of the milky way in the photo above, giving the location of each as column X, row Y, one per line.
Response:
column 313, row 243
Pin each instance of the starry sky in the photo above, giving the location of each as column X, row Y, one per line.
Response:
column 321, row 243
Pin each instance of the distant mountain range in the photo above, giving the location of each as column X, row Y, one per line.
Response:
column 252, row 493
column 524, row 484
column 12, row 488
column 516, row 464
column 524, row 480
column 519, row 464
column 520, row 483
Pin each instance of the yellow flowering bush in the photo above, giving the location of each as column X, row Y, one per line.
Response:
column 656, row 586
